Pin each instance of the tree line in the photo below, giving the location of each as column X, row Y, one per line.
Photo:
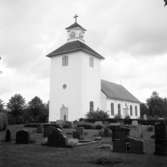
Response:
column 155, row 107
column 18, row 111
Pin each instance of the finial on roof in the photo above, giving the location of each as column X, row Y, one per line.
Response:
column 75, row 17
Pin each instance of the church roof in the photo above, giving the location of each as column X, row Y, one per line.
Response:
column 117, row 92
column 75, row 25
column 74, row 46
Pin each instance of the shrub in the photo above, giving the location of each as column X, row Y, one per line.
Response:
column 3, row 121
column 98, row 126
column 67, row 125
column 86, row 125
column 32, row 125
column 97, row 115
column 150, row 129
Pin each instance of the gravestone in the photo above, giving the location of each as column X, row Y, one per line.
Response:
column 22, row 137
column 135, row 123
column 161, row 138
column 47, row 128
column 119, row 132
column 8, row 136
column 80, row 131
column 56, row 138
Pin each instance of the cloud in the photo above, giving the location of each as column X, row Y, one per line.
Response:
column 130, row 34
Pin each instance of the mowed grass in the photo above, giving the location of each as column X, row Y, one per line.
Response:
column 36, row 155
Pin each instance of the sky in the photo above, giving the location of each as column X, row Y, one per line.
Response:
column 131, row 35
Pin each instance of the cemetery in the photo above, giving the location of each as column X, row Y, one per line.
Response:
column 109, row 144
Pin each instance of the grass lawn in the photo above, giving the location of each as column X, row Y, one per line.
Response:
column 36, row 155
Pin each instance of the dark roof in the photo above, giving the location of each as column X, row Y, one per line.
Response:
column 117, row 92
column 74, row 46
column 75, row 25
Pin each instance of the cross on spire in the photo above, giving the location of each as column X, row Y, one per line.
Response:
column 75, row 17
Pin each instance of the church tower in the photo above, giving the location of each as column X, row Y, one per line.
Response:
column 75, row 83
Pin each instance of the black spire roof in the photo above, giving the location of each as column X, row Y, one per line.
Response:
column 74, row 46
column 75, row 25
column 117, row 92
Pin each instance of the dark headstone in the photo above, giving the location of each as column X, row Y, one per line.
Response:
column 119, row 133
column 8, row 136
column 161, row 138
column 47, row 129
column 22, row 137
column 56, row 138
column 79, row 133
column 134, row 145
column 129, row 145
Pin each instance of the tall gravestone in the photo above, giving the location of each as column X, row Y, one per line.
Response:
column 56, row 138
column 161, row 138
column 22, row 137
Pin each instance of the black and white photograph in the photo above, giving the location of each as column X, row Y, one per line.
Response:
column 83, row 83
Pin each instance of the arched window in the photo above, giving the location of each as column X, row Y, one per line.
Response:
column 131, row 110
column 112, row 108
column 136, row 113
column 119, row 109
column 91, row 106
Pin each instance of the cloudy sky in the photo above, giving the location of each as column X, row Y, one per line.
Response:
column 131, row 35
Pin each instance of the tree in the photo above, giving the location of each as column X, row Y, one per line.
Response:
column 37, row 111
column 157, row 106
column 165, row 2
column 1, row 106
column 97, row 115
column 16, row 106
column 144, row 110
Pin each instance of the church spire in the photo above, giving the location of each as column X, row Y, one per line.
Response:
column 75, row 31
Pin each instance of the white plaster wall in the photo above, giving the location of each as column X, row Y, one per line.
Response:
column 106, row 106
column 123, row 105
column 71, row 96
column 103, row 101
column 83, row 86
column 91, row 83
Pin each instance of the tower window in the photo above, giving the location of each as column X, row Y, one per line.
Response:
column 64, row 60
column 91, row 61
column 131, row 110
column 112, row 108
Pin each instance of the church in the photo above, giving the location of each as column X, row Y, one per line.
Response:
column 75, row 84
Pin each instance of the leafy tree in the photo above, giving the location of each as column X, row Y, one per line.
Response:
column 165, row 1
column 37, row 111
column 1, row 106
column 16, row 106
column 144, row 110
column 97, row 115
column 157, row 106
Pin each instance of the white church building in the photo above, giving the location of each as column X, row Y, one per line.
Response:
column 75, row 84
